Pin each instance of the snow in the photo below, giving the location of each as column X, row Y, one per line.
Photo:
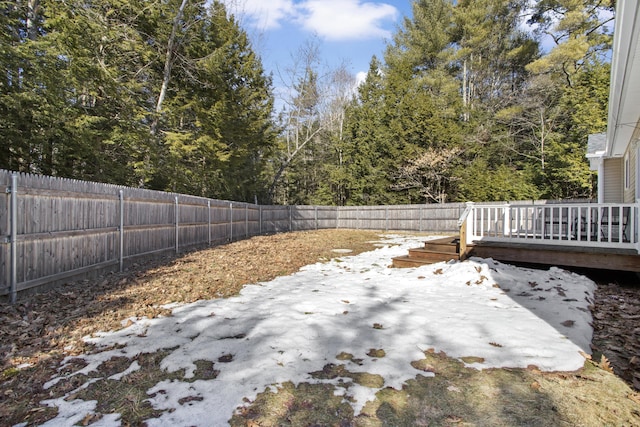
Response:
column 285, row 329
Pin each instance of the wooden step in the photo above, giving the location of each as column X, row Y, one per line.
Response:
column 431, row 255
column 449, row 245
column 406, row 262
column 437, row 250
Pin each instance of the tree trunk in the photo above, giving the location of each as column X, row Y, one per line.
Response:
column 33, row 8
column 168, row 64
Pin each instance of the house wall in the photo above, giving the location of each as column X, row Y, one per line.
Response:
column 613, row 180
column 629, row 185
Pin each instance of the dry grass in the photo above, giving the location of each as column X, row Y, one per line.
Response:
column 47, row 327
column 41, row 330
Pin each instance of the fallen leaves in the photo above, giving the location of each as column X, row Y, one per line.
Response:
column 604, row 364
column 616, row 328
column 44, row 328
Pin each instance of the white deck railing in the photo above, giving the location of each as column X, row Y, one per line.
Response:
column 610, row 225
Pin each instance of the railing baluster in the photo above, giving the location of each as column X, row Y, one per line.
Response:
column 571, row 224
column 620, row 222
column 609, row 216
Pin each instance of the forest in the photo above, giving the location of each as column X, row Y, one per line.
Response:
column 480, row 100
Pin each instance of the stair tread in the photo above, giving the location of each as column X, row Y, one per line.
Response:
column 434, row 251
column 405, row 260
column 431, row 251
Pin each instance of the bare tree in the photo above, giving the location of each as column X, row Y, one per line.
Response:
column 314, row 102
column 168, row 64
column 429, row 173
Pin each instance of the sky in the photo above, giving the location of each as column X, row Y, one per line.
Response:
column 282, row 330
column 347, row 31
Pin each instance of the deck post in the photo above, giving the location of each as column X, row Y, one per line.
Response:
column 462, row 252
column 464, row 222
column 506, row 220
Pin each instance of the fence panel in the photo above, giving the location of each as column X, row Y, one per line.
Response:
column 193, row 222
column 441, row 218
column 149, row 223
column 69, row 229
column 276, row 219
column 63, row 226
column 220, row 221
column 327, row 217
column 304, row 218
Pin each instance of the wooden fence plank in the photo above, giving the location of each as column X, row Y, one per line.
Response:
column 68, row 228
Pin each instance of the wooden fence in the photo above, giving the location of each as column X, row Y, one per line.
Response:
column 55, row 230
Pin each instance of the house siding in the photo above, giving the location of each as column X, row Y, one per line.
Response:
column 630, row 190
column 613, row 180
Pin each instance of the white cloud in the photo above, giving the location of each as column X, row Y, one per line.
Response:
column 361, row 77
column 262, row 14
column 329, row 19
column 346, row 19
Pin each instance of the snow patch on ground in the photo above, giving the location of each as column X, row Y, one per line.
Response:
column 285, row 329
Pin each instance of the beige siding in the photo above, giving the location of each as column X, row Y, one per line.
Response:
column 630, row 191
column 613, row 180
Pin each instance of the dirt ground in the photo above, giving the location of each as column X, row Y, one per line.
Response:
column 39, row 331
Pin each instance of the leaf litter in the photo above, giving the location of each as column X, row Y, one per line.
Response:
column 177, row 388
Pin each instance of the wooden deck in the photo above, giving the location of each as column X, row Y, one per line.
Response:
column 446, row 249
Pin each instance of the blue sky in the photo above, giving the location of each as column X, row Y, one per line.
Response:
column 346, row 31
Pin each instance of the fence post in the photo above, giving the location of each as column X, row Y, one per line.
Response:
column 260, row 218
column 209, row 221
column 290, row 219
column 231, row 222
column 177, row 223
column 420, row 219
column 316, row 216
column 121, row 231
column 13, row 218
column 246, row 221
column 386, row 218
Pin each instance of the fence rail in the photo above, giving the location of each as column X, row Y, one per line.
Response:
column 55, row 230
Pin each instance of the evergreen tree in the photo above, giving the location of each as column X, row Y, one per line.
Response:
column 166, row 95
column 368, row 152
